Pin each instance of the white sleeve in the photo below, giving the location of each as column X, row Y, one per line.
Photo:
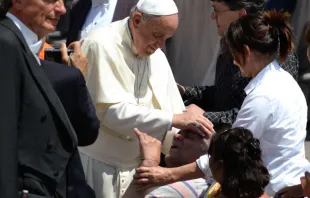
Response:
column 203, row 164
column 254, row 115
column 124, row 117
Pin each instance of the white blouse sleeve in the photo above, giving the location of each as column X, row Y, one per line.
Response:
column 203, row 164
column 255, row 114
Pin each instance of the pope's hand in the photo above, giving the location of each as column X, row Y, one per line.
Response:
column 76, row 59
column 193, row 121
column 148, row 177
column 195, row 109
column 150, row 149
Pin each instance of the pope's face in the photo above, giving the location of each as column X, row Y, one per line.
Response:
column 41, row 16
column 151, row 33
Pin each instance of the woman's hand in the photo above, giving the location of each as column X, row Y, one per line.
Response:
column 148, row 177
column 77, row 59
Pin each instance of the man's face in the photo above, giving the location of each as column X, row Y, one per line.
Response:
column 151, row 34
column 186, row 148
column 223, row 16
column 41, row 16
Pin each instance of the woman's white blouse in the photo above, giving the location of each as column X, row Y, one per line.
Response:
column 275, row 110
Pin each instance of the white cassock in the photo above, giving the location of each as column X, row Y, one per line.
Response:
column 128, row 92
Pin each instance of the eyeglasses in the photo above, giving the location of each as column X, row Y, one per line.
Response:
column 217, row 13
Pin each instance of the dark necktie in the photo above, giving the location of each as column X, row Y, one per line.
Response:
column 123, row 8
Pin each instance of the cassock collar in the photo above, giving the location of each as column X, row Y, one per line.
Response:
column 31, row 38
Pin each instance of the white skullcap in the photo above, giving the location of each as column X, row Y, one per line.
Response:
column 157, row 7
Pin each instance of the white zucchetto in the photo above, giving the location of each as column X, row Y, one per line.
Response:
column 157, row 7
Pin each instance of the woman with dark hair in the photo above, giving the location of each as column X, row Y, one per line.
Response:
column 236, row 164
column 275, row 108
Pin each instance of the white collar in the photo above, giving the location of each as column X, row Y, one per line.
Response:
column 260, row 76
column 31, row 38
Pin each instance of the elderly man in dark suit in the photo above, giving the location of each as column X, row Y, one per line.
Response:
column 37, row 141
column 88, row 14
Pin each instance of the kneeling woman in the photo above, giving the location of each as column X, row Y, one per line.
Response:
column 275, row 108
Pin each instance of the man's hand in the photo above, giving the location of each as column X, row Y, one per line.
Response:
column 149, row 177
column 181, row 89
column 150, row 149
column 195, row 122
column 76, row 59
column 305, row 183
column 195, row 109
column 291, row 192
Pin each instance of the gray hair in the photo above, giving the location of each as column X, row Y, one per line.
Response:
column 145, row 17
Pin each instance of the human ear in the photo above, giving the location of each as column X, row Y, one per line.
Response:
column 18, row 4
column 242, row 12
column 247, row 52
column 137, row 18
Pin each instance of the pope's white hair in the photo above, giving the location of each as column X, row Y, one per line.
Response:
column 144, row 16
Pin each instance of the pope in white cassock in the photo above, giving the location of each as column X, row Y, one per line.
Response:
column 132, row 86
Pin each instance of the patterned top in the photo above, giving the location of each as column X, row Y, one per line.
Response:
column 196, row 188
column 223, row 100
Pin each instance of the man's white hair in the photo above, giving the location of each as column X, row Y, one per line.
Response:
column 145, row 17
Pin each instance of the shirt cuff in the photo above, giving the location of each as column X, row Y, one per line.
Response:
column 203, row 164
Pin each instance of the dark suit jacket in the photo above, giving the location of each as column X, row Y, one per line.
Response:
column 70, row 87
column 80, row 11
column 36, row 137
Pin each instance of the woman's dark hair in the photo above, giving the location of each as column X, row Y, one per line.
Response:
column 245, row 175
column 251, row 6
column 268, row 34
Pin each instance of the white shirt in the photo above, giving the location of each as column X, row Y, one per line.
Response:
column 101, row 13
column 31, row 38
column 275, row 110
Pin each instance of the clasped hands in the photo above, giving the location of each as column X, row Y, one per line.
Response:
column 77, row 59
